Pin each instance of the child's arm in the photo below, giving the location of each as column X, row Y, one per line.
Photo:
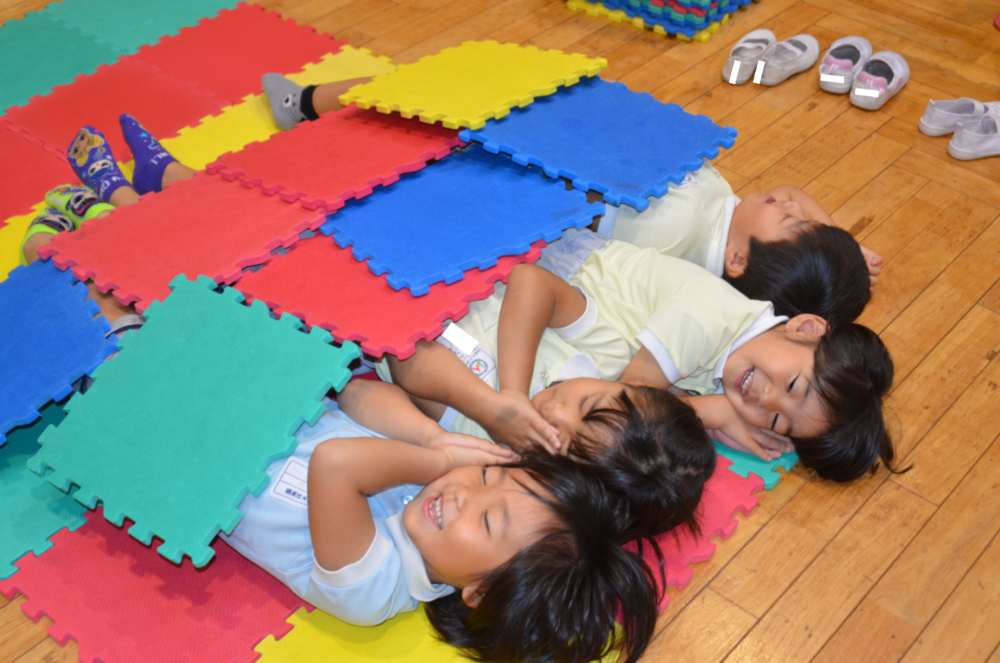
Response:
column 342, row 471
column 811, row 207
column 727, row 426
column 386, row 409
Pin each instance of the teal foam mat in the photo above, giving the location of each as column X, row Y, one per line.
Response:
column 746, row 464
column 39, row 53
column 32, row 509
column 129, row 24
column 182, row 424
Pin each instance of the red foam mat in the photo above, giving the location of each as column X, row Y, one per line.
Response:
column 340, row 156
column 203, row 225
column 121, row 601
column 725, row 493
column 324, row 285
column 27, row 170
column 162, row 102
column 228, row 53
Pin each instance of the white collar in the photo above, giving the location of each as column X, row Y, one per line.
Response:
column 577, row 366
column 715, row 260
column 414, row 570
column 767, row 320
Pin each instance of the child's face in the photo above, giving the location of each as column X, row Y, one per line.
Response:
column 565, row 404
column 769, row 379
column 473, row 520
column 766, row 219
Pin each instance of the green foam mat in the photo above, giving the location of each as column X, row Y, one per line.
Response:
column 39, row 53
column 746, row 464
column 32, row 509
column 129, row 24
column 182, row 424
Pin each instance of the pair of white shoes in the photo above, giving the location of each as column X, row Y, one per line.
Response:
column 768, row 61
column 850, row 66
column 973, row 123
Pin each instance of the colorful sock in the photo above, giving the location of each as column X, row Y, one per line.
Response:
column 150, row 157
column 290, row 102
column 50, row 222
column 77, row 202
column 90, row 157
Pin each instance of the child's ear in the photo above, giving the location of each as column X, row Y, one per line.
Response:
column 472, row 595
column 806, row 328
column 735, row 262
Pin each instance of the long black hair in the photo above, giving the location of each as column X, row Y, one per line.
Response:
column 822, row 271
column 658, row 459
column 558, row 600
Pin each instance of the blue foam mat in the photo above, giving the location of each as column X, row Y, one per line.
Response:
column 669, row 24
column 606, row 138
column 49, row 338
column 33, row 509
column 462, row 212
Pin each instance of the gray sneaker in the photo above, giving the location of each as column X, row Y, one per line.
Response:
column 790, row 57
column 941, row 117
column 975, row 139
column 744, row 55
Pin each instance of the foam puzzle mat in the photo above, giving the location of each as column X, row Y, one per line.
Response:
column 28, row 170
column 494, row 78
column 68, row 53
column 207, row 56
column 50, row 340
column 11, row 236
column 620, row 16
column 161, row 102
column 203, row 225
column 350, row 152
column 34, row 510
column 323, row 285
column 464, row 212
column 209, row 383
column 745, row 464
column 121, row 602
column 548, row 134
column 126, row 24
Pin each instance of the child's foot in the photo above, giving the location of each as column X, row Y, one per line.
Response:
column 90, row 157
column 150, row 157
column 290, row 102
column 77, row 202
column 49, row 222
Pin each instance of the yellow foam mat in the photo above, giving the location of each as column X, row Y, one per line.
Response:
column 406, row 638
column 229, row 131
column 618, row 16
column 466, row 85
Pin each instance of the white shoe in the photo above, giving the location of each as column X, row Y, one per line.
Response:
column 881, row 77
column 975, row 139
column 842, row 62
column 789, row 57
column 941, row 117
column 747, row 51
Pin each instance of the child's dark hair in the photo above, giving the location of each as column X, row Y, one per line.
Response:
column 853, row 372
column 658, row 461
column 822, row 271
column 558, row 600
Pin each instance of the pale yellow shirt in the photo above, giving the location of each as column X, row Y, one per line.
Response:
column 684, row 315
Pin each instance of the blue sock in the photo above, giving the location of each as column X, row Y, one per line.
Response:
column 90, row 157
column 150, row 157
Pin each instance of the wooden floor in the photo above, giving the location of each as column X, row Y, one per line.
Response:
column 887, row 569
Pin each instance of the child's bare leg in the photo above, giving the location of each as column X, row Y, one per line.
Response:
column 326, row 97
column 175, row 172
column 292, row 103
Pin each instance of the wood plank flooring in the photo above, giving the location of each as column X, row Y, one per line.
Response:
column 903, row 568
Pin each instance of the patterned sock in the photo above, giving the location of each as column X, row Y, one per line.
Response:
column 77, row 202
column 150, row 157
column 49, row 222
column 290, row 102
column 90, row 157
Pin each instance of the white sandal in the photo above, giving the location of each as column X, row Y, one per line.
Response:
column 744, row 55
column 880, row 78
column 789, row 57
column 842, row 62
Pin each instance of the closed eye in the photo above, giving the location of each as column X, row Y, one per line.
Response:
column 486, row 521
column 484, row 476
column 792, row 385
column 774, row 423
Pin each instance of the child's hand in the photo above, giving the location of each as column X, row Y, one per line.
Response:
column 738, row 434
column 874, row 262
column 444, row 438
column 517, row 423
column 462, row 456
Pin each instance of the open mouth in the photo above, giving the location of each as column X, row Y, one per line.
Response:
column 432, row 511
column 769, row 199
column 744, row 384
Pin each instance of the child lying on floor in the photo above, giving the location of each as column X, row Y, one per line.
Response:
column 516, row 559
column 780, row 247
column 659, row 321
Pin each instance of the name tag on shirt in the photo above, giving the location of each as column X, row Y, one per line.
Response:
column 478, row 360
column 291, row 484
column 689, row 180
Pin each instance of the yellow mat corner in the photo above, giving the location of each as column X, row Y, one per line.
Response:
column 466, row 85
